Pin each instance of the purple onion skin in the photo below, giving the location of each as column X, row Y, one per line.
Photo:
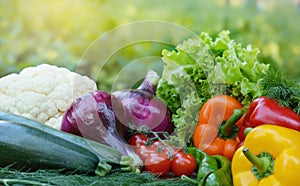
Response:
column 136, row 108
column 92, row 117
column 75, row 124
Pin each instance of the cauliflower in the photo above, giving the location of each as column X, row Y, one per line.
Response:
column 43, row 93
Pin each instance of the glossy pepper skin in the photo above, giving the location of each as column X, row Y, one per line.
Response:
column 216, row 132
column 283, row 168
column 265, row 110
column 212, row 170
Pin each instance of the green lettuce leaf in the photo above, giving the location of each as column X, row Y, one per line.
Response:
column 201, row 68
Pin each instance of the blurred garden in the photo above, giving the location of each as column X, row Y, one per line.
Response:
column 60, row 31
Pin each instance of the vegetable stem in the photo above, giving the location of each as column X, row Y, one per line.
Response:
column 150, row 82
column 247, row 130
column 156, row 136
column 227, row 130
column 189, row 180
column 127, row 164
column 103, row 168
column 261, row 163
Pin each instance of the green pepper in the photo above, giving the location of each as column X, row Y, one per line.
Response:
column 222, row 176
column 205, row 163
column 212, row 170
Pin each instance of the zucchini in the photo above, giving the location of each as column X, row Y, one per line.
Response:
column 107, row 156
column 103, row 152
column 26, row 147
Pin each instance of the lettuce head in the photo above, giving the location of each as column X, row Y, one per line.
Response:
column 201, row 68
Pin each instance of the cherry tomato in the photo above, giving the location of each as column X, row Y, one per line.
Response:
column 158, row 163
column 138, row 140
column 165, row 148
column 144, row 151
column 183, row 164
column 161, row 147
column 158, row 144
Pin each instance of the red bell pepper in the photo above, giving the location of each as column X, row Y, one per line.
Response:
column 264, row 110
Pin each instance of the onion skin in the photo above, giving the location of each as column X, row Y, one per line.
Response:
column 76, row 118
column 92, row 117
column 141, row 109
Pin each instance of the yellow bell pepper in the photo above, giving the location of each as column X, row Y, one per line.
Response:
column 270, row 155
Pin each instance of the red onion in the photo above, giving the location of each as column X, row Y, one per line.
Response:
column 138, row 108
column 92, row 117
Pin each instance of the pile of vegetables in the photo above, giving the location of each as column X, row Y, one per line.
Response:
column 201, row 68
column 202, row 122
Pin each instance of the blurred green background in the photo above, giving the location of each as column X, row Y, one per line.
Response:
column 59, row 31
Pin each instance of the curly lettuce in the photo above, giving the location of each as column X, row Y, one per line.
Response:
column 201, row 68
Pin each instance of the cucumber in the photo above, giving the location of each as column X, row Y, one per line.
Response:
column 26, row 147
column 103, row 152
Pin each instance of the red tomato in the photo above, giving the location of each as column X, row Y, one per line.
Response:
column 183, row 164
column 165, row 148
column 144, row 151
column 158, row 144
column 158, row 163
column 138, row 140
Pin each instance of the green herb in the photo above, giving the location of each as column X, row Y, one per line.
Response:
column 11, row 177
column 281, row 87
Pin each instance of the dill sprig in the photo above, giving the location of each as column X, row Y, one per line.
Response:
column 9, row 177
column 282, row 88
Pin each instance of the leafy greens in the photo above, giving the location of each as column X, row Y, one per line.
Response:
column 201, row 68
column 282, row 88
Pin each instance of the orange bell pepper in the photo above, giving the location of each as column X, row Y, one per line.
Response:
column 218, row 125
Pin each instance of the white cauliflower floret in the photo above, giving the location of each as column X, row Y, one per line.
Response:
column 43, row 93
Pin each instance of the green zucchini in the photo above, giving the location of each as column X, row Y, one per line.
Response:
column 107, row 156
column 103, row 152
column 26, row 147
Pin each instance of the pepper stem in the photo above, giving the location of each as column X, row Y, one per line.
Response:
column 259, row 163
column 229, row 128
column 262, row 164
column 247, row 130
